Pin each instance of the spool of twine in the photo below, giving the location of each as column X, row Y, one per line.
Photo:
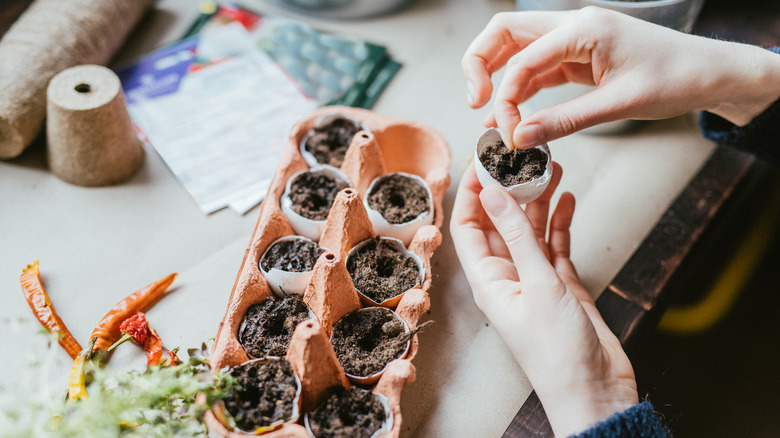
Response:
column 91, row 139
column 49, row 37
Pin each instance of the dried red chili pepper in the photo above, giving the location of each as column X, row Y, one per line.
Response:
column 41, row 306
column 157, row 355
column 108, row 331
column 135, row 329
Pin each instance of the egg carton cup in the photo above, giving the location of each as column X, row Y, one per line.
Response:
column 390, row 145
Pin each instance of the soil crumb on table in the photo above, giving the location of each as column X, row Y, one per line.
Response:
column 348, row 413
column 264, row 395
column 512, row 167
column 366, row 341
column 329, row 143
column 312, row 194
column 399, row 198
column 297, row 255
column 267, row 327
column 380, row 271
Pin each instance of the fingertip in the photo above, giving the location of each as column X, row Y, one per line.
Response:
column 507, row 118
column 495, row 201
column 526, row 136
column 490, row 120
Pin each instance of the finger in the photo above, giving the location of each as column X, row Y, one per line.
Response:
column 539, row 209
column 560, row 223
column 604, row 104
column 533, row 268
column 504, row 35
column 546, row 53
column 466, row 226
column 495, row 243
column 563, row 74
column 490, row 120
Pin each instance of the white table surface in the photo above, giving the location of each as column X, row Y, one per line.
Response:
column 96, row 245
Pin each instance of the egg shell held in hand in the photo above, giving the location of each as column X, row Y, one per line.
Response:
column 523, row 193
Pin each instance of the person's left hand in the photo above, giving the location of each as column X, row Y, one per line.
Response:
column 525, row 283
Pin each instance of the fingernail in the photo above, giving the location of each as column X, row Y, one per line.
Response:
column 494, row 202
column 528, row 136
column 472, row 93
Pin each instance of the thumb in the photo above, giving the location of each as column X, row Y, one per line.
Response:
column 533, row 268
column 550, row 123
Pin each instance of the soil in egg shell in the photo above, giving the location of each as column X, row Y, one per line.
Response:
column 512, row 167
column 312, row 194
column 268, row 326
column 265, row 394
column 366, row 341
column 399, row 198
column 348, row 413
column 380, row 271
column 297, row 255
column 329, row 143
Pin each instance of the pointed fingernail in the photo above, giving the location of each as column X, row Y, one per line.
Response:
column 494, row 202
column 528, row 136
column 472, row 93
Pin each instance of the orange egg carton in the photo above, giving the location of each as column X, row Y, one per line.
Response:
column 385, row 145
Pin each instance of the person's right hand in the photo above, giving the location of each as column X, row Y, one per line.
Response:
column 642, row 71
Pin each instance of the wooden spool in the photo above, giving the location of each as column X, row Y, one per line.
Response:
column 91, row 139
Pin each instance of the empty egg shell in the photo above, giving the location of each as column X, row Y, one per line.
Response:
column 523, row 192
column 302, row 225
column 403, row 231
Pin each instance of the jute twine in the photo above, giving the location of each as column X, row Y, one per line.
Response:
column 91, row 139
column 49, row 37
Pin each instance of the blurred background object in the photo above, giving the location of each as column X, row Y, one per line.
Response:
column 677, row 14
column 343, row 9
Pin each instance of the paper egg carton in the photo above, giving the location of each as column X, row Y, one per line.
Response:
column 389, row 145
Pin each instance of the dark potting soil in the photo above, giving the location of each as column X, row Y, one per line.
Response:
column 399, row 198
column 267, row 327
column 511, row 167
column 297, row 255
column 329, row 143
column 348, row 413
column 264, row 395
column 380, row 271
column 366, row 341
column 312, row 194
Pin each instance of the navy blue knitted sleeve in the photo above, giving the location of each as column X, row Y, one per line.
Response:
column 638, row 421
column 761, row 136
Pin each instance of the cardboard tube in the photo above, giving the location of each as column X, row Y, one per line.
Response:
column 91, row 140
column 49, row 37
